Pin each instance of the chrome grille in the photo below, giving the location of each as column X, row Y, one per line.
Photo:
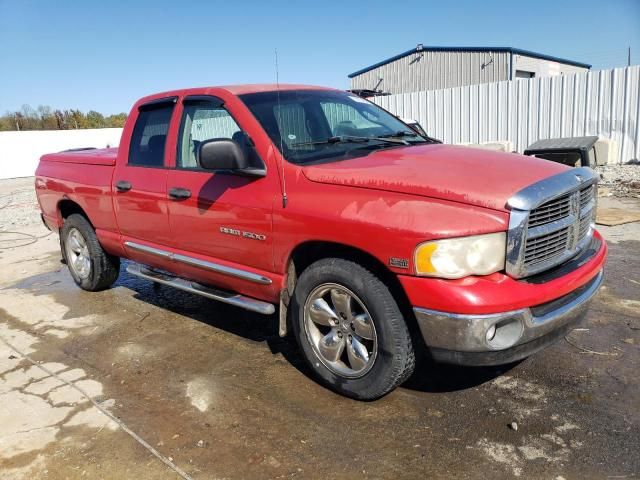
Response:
column 543, row 248
column 586, row 194
column 550, row 211
column 550, row 222
column 585, row 225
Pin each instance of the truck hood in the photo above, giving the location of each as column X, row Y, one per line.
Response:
column 467, row 175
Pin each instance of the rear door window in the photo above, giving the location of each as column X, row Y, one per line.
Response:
column 150, row 136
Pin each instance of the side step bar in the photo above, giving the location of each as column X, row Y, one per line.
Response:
column 241, row 301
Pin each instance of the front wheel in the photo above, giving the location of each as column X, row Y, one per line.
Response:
column 350, row 329
column 90, row 266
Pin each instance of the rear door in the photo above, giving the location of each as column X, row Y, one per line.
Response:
column 221, row 218
column 140, row 179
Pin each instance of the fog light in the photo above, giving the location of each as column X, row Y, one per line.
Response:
column 504, row 334
column 491, row 332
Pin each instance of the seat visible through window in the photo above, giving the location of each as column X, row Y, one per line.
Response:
column 203, row 121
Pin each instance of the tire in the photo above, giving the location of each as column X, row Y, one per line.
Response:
column 371, row 319
column 90, row 266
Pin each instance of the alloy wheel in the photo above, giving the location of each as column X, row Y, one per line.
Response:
column 340, row 330
column 78, row 256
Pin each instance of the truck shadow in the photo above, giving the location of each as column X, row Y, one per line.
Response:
column 434, row 377
column 428, row 376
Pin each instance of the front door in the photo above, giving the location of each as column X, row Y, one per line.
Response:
column 218, row 217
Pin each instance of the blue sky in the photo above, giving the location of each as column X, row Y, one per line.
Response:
column 103, row 55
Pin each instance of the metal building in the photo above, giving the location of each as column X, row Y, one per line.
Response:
column 433, row 68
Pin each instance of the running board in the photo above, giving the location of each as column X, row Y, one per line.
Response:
column 241, row 301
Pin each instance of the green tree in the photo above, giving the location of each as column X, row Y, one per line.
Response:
column 7, row 122
column 75, row 119
column 45, row 118
column 95, row 119
column 117, row 120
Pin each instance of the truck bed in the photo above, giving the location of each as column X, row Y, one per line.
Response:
column 80, row 176
column 88, row 156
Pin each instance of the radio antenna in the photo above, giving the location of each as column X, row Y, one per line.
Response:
column 284, row 183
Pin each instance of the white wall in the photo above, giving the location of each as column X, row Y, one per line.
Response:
column 21, row 151
column 604, row 103
column 543, row 68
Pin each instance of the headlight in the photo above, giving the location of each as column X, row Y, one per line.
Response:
column 460, row 257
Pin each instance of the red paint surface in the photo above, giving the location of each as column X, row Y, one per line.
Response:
column 467, row 175
column 384, row 204
column 94, row 156
column 497, row 292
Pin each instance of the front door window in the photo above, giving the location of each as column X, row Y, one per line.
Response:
column 203, row 121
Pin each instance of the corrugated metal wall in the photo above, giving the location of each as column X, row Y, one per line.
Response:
column 543, row 68
column 213, row 124
column 604, row 103
column 433, row 70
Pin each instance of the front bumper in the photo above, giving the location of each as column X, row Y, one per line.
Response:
column 463, row 338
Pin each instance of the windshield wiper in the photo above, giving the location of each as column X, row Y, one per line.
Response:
column 402, row 133
column 399, row 133
column 331, row 140
column 352, row 139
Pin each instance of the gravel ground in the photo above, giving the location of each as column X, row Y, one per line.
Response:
column 18, row 204
column 619, row 180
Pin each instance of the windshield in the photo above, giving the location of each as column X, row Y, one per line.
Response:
column 325, row 125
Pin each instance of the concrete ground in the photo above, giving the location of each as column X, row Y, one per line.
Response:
column 143, row 382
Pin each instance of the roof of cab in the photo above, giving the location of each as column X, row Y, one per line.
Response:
column 269, row 87
column 233, row 89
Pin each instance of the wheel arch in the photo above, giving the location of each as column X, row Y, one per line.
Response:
column 67, row 207
column 306, row 253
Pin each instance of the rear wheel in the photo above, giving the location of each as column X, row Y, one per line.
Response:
column 90, row 266
column 350, row 329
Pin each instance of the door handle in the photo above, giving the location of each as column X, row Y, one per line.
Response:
column 123, row 186
column 178, row 193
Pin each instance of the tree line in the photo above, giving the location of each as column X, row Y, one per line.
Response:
column 46, row 118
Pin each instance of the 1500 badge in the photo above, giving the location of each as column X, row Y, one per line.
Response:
column 238, row 233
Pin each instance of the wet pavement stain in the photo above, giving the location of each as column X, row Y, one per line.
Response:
column 217, row 391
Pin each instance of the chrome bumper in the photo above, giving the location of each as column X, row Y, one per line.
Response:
column 503, row 337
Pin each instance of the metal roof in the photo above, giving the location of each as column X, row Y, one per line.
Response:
column 514, row 51
column 571, row 143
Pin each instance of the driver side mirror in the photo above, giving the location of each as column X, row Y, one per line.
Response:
column 221, row 154
column 226, row 154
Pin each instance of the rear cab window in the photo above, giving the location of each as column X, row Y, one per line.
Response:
column 149, row 136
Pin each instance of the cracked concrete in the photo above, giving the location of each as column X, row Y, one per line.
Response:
column 36, row 408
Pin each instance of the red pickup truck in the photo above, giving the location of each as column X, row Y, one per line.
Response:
column 373, row 241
